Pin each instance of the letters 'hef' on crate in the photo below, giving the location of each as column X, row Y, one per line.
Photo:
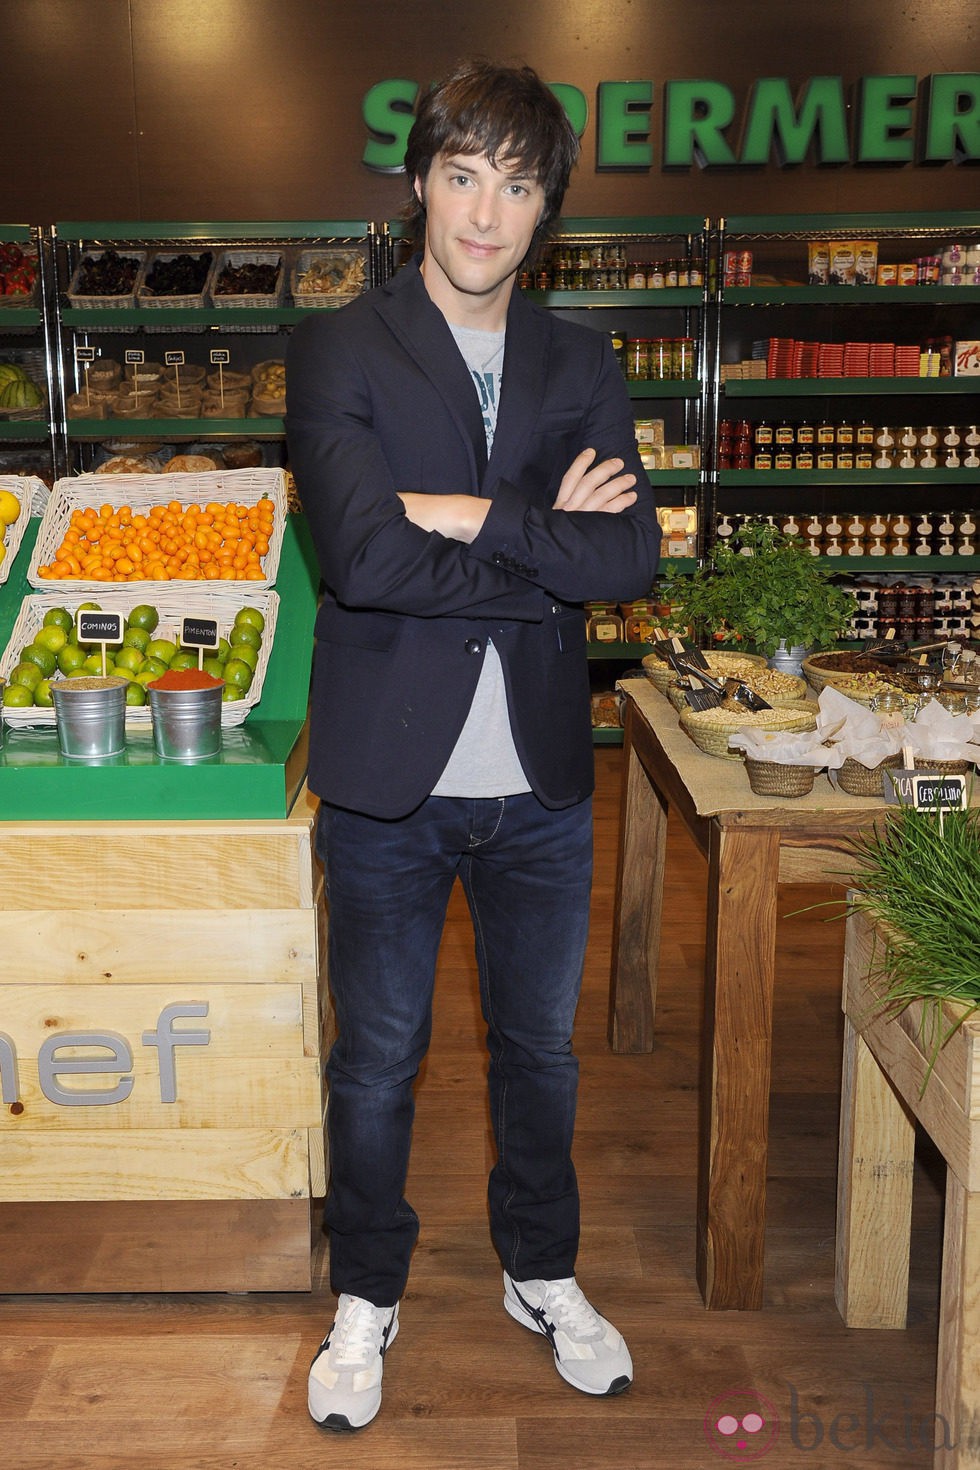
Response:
column 161, row 1018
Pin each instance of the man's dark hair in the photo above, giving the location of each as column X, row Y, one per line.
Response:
column 506, row 114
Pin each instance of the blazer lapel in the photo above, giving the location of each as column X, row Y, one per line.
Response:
column 423, row 332
column 525, row 375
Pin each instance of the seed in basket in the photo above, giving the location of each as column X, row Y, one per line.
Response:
column 217, row 542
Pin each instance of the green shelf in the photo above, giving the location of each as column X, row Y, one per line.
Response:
column 606, row 735
column 19, row 316
column 849, row 295
column 902, row 565
column 856, row 478
column 846, row 387
column 227, row 319
column 24, row 429
column 669, row 296
column 663, row 387
column 674, row 477
column 111, row 231
column 260, row 765
column 97, row 429
column 818, row 225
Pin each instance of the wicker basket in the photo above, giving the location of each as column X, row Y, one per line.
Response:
column 769, row 778
column 861, row 692
column 141, row 492
column 83, row 302
column 944, row 768
column 710, row 732
column 342, row 268
column 25, row 488
column 187, row 600
column 660, row 674
column 859, row 780
column 266, row 301
column 146, row 299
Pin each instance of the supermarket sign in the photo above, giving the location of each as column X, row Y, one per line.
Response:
column 881, row 119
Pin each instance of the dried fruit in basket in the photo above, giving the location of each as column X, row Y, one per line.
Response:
column 216, row 542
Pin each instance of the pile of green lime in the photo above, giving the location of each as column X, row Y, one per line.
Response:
column 55, row 651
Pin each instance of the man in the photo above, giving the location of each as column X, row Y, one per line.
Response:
column 468, row 466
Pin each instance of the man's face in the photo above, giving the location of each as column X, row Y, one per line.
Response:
column 479, row 224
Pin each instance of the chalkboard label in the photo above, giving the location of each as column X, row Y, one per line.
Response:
column 174, row 358
column 925, row 791
column 135, row 354
column 85, row 354
column 100, row 627
column 199, row 632
column 220, row 355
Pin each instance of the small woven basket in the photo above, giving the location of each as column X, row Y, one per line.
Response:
column 859, row 780
column 945, row 768
column 659, row 673
column 140, row 493
column 24, row 488
column 346, row 270
column 769, row 778
column 184, row 599
column 710, row 732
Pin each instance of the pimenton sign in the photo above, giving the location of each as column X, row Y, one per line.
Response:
column 879, row 119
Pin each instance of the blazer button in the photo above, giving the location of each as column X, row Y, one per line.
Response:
column 473, row 645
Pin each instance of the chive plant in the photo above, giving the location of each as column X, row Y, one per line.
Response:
column 918, row 877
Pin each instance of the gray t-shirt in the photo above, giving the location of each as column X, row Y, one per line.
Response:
column 484, row 761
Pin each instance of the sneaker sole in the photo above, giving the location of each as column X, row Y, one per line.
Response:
column 618, row 1385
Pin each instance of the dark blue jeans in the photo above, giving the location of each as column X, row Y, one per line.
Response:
column 526, row 872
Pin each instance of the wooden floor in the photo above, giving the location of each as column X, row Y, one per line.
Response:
column 219, row 1382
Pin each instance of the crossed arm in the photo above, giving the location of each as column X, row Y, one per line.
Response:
column 585, row 486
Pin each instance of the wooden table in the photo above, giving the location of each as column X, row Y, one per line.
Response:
column 892, row 1080
column 752, row 844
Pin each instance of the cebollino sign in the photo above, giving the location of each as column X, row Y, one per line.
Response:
column 880, row 119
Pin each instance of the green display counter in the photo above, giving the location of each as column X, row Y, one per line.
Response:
column 258, row 772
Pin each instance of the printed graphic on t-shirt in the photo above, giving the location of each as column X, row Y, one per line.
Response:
column 488, row 390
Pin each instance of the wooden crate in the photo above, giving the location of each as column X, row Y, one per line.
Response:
column 887, row 1088
column 184, row 959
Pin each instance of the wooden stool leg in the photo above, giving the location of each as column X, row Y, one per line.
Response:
column 874, row 1192
column 958, row 1368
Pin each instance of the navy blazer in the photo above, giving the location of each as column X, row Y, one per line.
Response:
column 380, row 402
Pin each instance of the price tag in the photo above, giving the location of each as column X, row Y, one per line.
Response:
column 220, row 355
column 174, row 358
column 925, row 791
column 135, row 354
column 104, row 628
column 198, row 632
column 100, row 627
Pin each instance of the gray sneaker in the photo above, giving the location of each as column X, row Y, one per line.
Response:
column 345, row 1375
column 589, row 1352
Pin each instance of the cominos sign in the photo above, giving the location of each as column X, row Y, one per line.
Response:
column 893, row 119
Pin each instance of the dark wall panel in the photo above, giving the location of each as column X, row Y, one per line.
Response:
column 209, row 109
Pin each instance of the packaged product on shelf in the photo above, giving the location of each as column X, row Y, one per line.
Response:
column 639, row 620
column 604, row 625
column 841, row 267
column 606, row 710
column 818, row 262
column 967, row 359
column 865, row 262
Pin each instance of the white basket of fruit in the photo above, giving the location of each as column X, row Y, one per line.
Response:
column 179, row 505
column 17, row 495
column 246, row 620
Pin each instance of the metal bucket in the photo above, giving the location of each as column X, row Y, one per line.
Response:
column 91, row 716
column 186, row 722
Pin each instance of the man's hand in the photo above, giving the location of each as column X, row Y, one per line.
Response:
column 460, row 517
column 590, row 486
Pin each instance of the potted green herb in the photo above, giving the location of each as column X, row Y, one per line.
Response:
column 773, row 594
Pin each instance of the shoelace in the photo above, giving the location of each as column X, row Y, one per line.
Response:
column 570, row 1308
column 355, row 1337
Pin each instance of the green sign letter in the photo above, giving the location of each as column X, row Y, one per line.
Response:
column 952, row 131
column 574, row 102
column 884, row 115
column 623, row 125
column 773, row 122
column 695, row 116
column 387, row 111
